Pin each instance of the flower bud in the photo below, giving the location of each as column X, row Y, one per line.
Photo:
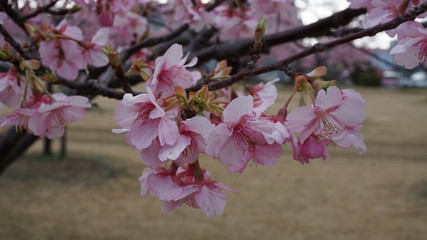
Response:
column 5, row 55
column 113, row 57
column 75, row 8
column 259, row 31
column 320, row 84
column 318, row 72
column 49, row 77
column 31, row 64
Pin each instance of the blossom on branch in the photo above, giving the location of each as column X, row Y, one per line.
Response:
column 12, row 88
column 62, row 53
column 243, row 136
column 181, row 187
column 170, row 71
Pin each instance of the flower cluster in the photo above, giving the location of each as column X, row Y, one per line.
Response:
column 63, row 50
column 172, row 128
column 47, row 116
column 35, row 109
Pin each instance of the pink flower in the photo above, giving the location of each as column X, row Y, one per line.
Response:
column 18, row 118
column 143, row 119
column 170, row 71
column 190, row 142
column 382, row 11
column 21, row 116
column 92, row 54
column 51, row 119
column 244, row 136
column 185, row 11
column 313, row 147
column 128, row 27
column 182, row 188
column 410, row 52
column 63, row 56
column 228, row 20
column 332, row 112
column 11, row 88
column 351, row 137
column 264, row 95
column 159, row 183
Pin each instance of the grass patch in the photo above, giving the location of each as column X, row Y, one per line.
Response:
column 87, row 168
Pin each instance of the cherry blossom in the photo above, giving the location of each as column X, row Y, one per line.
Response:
column 92, row 53
column 189, row 144
column 183, row 188
column 50, row 119
column 312, row 148
column 243, row 136
column 264, row 95
column 62, row 55
column 19, row 118
column 143, row 119
column 410, row 52
column 127, row 27
column 329, row 116
column 12, row 88
column 170, row 71
column 351, row 137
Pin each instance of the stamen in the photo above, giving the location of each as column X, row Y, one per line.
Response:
column 422, row 50
column 143, row 113
column 329, row 127
column 244, row 137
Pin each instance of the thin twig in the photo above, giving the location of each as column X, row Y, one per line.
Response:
column 39, row 10
column 214, row 5
column 13, row 14
column 152, row 41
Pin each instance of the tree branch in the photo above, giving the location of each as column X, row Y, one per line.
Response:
column 152, row 41
column 241, row 47
column 13, row 14
column 411, row 15
column 214, row 5
column 39, row 10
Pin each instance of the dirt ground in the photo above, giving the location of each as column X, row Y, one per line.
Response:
column 94, row 194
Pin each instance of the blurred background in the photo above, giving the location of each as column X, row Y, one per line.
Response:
column 85, row 186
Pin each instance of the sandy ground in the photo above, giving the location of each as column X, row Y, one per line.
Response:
column 95, row 193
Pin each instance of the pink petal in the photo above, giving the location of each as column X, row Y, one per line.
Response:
column 329, row 99
column 143, row 180
column 217, row 138
column 172, row 152
column 350, row 113
column 163, row 187
column 267, row 154
column 168, row 132
column 142, row 136
column 101, row 36
column 173, row 55
column 200, row 125
column 150, row 155
column 299, row 118
column 237, row 108
column 233, row 156
column 210, row 202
